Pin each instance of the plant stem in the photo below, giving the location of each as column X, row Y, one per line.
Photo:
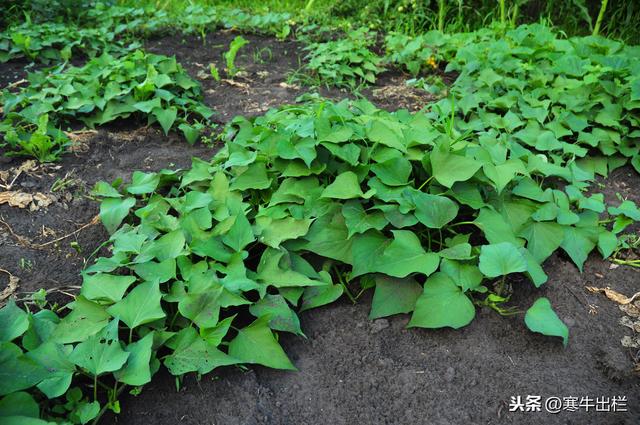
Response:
column 441, row 13
column 500, row 288
column 502, row 14
column 603, row 8
column 95, row 387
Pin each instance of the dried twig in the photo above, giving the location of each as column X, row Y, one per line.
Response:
column 95, row 220
column 21, row 239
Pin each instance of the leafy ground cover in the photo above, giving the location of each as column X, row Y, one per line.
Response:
column 103, row 90
column 439, row 213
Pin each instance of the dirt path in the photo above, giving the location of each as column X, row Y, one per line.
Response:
column 352, row 370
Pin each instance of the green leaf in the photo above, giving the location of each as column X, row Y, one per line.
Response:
column 240, row 234
column 105, row 287
column 358, row 221
column 55, row 359
column 202, row 308
column 394, row 296
column 137, row 370
column 578, row 242
column 449, row 168
column 405, row 255
column 255, row 177
column 113, row 211
column 501, row 259
column 143, row 183
column 380, row 132
column 13, row 321
column 273, row 232
column 393, row 172
column 166, row 117
column 140, row 306
column 17, row 371
column 197, row 356
column 466, row 276
column 105, row 190
column 442, row 304
column 317, row 296
column 607, row 243
column 345, row 186
column 256, row 344
column 18, row 404
column 86, row 318
column 541, row 318
column 543, row 238
column 100, row 353
column 627, row 208
column 169, row 245
column 434, row 211
column 281, row 317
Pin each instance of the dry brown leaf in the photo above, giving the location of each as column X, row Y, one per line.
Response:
column 16, row 199
column 24, row 200
column 614, row 295
column 10, row 289
column 632, row 310
column 630, row 342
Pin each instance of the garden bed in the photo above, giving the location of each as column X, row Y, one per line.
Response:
column 351, row 370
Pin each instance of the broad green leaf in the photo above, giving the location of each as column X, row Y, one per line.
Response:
column 380, row 132
column 197, row 356
column 501, row 259
column 114, row 210
column 274, row 231
column 281, row 317
column 55, row 358
column 256, row 344
column 105, row 287
column 434, row 211
column 466, row 276
column 541, row 318
column 240, row 234
column 18, row 404
column 405, row 255
column 202, row 308
column 578, row 242
column 140, row 306
column 345, row 186
column 394, row 296
column 449, row 168
column 17, row 371
column 137, row 370
column 13, row 321
column 393, row 172
column 442, row 304
column 607, row 243
column 317, row 296
column 143, row 183
column 86, row 318
column 166, row 117
column 358, row 221
column 543, row 238
column 100, row 353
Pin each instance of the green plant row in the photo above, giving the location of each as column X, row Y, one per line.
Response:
column 54, row 42
column 117, row 29
column 208, row 264
column 564, row 98
column 103, row 90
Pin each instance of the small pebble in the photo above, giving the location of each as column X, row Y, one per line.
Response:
column 379, row 325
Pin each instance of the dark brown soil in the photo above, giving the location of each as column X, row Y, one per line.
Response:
column 351, row 370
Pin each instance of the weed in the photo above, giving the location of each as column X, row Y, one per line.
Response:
column 346, row 62
column 230, row 55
